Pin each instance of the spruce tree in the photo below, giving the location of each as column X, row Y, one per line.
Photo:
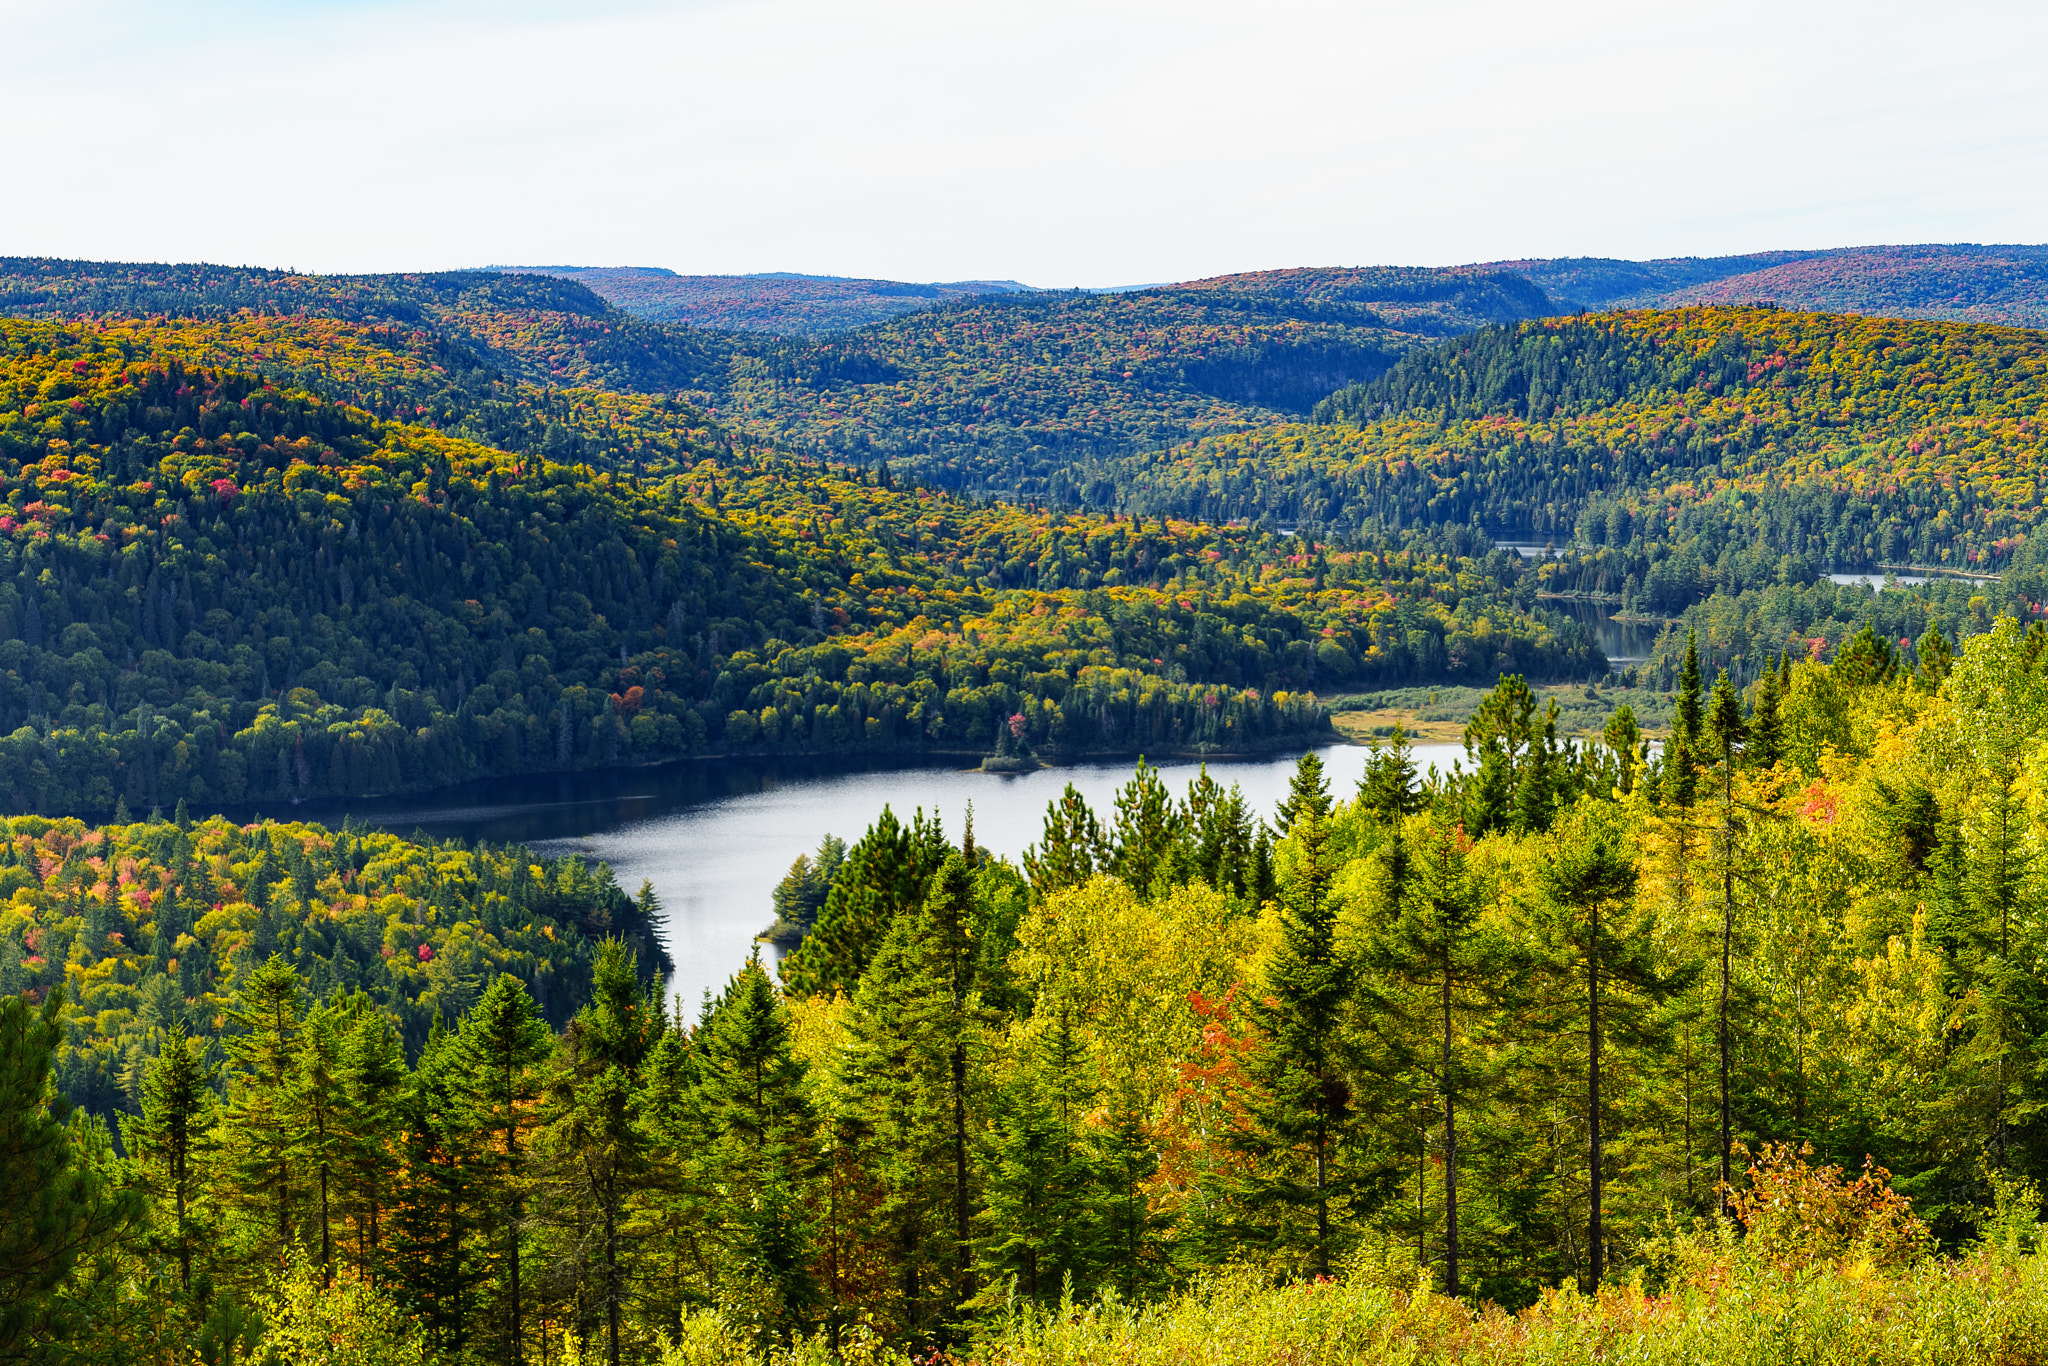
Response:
column 1072, row 848
column 1725, row 733
column 750, row 1092
column 1426, row 943
column 597, row 1149
column 914, row 1021
column 1387, row 789
column 260, row 1124
column 1042, row 1221
column 1304, row 1108
column 315, row 1099
column 1624, row 738
column 500, row 1049
column 1148, row 834
column 170, row 1140
column 56, row 1208
column 1681, row 777
column 1766, row 731
column 885, row 873
column 1218, row 848
column 1598, row 968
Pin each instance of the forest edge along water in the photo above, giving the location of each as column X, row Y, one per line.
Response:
column 714, row 839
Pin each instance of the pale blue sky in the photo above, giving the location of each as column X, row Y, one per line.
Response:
column 1052, row 141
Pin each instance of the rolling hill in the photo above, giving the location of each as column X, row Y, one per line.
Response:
column 777, row 302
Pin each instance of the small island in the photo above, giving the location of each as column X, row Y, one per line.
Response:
column 1013, row 752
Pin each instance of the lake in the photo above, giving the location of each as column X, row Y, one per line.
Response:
column 715, row 837
column 1623, row 642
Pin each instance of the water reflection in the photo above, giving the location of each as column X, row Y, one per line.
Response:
column 1623, row 642
column 714, row 838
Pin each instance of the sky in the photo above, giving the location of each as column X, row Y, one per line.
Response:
column 1048, row 141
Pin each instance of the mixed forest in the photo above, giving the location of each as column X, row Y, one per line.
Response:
column 1721, row 1045
column 1721, row 1052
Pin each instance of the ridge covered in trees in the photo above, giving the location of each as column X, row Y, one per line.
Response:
column 219, row 587
column 1712, row 1052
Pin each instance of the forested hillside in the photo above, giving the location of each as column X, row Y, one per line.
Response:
column 780, row 303
column 1962, row 282
column 154, row 926
column 217, row 587
column 1716, row 1055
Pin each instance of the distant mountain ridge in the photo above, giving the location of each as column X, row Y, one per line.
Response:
column 773, row 301
column 1960, row 282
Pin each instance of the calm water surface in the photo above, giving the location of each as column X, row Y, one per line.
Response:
column 714, row 839
column 1623, row 642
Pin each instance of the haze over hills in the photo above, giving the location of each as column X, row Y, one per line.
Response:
column 778, row 301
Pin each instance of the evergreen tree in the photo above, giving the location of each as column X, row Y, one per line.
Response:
column 170, row 1141
column 1148, row 831
column 1425, row 942
column 314, row 1100
column 1218, row 848
column 760, row 1131
column 914, row 1021
column 1624, row 739
column 1042, row 1222
column 1588, row 880
column 1072, row 849
column 1936, row 658
column 56, row 1209
column 502, row 1044
column 1387, row 789
column 1725, row 733
column 1304, row 1109
column 261, row 1132
column 437, row 1197
column 1681, row 776
column 596, row 1148
column 885, row 873
column 1766, row 730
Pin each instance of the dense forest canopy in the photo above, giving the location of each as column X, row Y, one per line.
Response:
column 1700, row 1053
column 1727, row 1041
column 221, row 587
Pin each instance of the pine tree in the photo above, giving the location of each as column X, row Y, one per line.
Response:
column 1587, row 880
column 1387, row 789
column 171, row 1138
column 1042, row 1219
column 750, row 1091
column 261, row 1135
column 1072, row 848
column 1936, row 658
column 1426, row 942
column 56, row 1209
column 1305, row 1108
column 1681, row 776
column 499, row 1051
